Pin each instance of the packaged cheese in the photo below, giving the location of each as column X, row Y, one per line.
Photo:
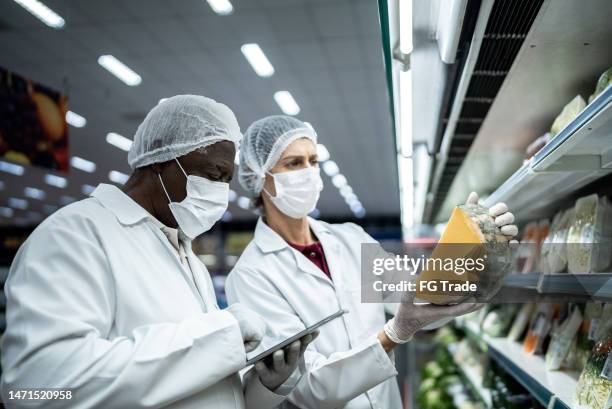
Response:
column 471, row 234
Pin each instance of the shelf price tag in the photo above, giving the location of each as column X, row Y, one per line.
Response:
column 606, row 372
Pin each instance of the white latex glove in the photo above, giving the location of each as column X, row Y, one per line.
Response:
column 499, row 212
column 252, row 326
column 274, row 372
column 411, row 318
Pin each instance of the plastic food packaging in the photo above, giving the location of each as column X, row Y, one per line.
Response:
column 594, row 387
column 604, row 80
column 556, row 252
column 497, row 321
column 520, row 322
column 561, row 340
column 586, row 337
column 532, row 246
column 539, row 328
column 536, row 145
column 569, row 112
column 471, row 233
column 589, row 239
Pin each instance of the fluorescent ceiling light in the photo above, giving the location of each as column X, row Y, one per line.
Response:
column 120, row 70
column 322, row 153
column 287, row 104
column 56, row 181
column 43, row 13
column 232, row 195
column 34, row 193
column 65, row 200
column 405, row 131
column 406, row 186
column 75, row 119
column 87, row 189
column 258, row 60
column 339, row 180
column 82, row 164
column 11, row 168
column 221, row 7
column 330, row 168
column 244, row 202
column 405, row 17
column 6, row 211
column 119, row 141
column 16, row 203
column 118, row 177
column 346, row 190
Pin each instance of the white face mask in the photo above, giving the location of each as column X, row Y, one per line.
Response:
column 297, row 191
column 204, row 205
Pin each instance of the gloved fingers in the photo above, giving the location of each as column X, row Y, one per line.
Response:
column 509, row 230
column 472, row 199
column 504, row 219
column 498, row 209
column 278, row 360
column 293, row 353
column 262, row 370
column 251, row 345
column 457, row 310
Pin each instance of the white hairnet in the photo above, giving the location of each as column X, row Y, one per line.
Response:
column 179, row 125
column 263, row 145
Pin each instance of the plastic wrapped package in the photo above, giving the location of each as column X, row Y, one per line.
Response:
column 569, row 112
column 589, row 238
column 533, row 245
column 562, row 338
column 556, row 254
column 604, row 81
column 586, row 337
column 498, row 320
column 594, row 387
column 471, row 233
column 520, row 322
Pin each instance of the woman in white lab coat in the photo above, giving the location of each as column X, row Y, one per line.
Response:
column 298, row 270
column 107, row 302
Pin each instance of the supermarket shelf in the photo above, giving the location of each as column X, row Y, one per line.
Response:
column 579, row 154
column 553, row 389
column 595, row 285
column 474, row 379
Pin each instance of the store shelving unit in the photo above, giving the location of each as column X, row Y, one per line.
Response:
column 596, row 285
column 579, row 154
column 553, row 389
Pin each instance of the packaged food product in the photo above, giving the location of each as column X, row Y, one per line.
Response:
column 594, row 387
column 533, row 245
column 556, row 253
column 536, row 145
column 589, row 239
column 569, row 112
column 539, row 327
column 586, row 336
column 520, row 322
column 561, row 340
column 604, row 80
column 497, row 321
column 471, row 233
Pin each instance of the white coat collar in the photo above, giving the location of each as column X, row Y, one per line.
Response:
column 269, row 241
column 126, row 210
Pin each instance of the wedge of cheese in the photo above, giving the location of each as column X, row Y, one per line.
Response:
column 461, row 239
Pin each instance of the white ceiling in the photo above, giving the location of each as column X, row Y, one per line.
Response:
column 327, row 53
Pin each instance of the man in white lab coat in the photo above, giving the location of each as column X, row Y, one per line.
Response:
column 298, row 270
column 107, row 302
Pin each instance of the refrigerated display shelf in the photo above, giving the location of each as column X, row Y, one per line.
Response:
column 579, row 154
column 595, row 285
column 553, row 389
column 473, row 378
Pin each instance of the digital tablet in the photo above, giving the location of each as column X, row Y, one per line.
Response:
column 294, row 338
